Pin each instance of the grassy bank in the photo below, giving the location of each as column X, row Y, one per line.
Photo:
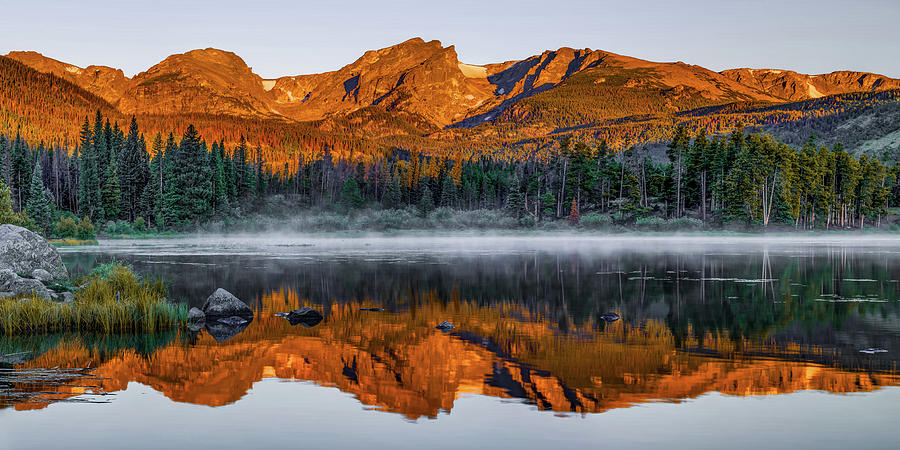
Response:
column 72, row 242
column 139, row 307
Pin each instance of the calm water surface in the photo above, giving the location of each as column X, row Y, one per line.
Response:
column 722, row 342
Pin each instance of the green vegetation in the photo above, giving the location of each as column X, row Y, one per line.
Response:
column 112, row 299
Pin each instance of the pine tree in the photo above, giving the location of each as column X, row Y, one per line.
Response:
column 112, row 193
column 220, row 188
column 515, row 200
column 229, row 174
column 7, row 214
column 350, row 197
column 241, row 170
column 4, row 160
column 426, row 202
column 21, row 170
column 448, row 193
column 132, row 171
column 38, row 208
column 391, row 198
column 86, row 175
column 189, row 190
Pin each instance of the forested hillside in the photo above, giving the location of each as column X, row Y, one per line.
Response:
column 120, row 178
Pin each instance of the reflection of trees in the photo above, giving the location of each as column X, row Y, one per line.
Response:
column 398, row 362
column 749, row 294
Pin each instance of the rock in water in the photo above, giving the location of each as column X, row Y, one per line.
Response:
column 872, row 351
column 223, row 304
column 372, row 309
column 305, row 316
column 195, row 315
column 17, row 358
column 12, row 285
column 22, row 251
column 445, row 326
column 610, row 317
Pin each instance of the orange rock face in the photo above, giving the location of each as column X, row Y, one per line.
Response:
column 789, row 85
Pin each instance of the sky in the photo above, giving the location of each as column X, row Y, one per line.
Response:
column 279, row 37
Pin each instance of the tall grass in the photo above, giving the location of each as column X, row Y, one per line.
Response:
column 139, row 307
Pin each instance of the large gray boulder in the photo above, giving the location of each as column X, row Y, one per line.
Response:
column 223, row 304
column 11, row 285
column 22, row 251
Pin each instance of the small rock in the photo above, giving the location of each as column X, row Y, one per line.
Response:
column 223, row 304
column 11, row 284
column 195, row 315
column 233, row 320
column 305, row 316
column 282, row 314
column 610, row 317
column 41, row 275
column 17, row 358
column 371, row 309
column 67, row 297
column 445, row 326
column 872, row 351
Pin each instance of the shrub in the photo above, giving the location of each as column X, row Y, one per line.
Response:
column 119, row 227
column 140, row 225
column 85, row 230
column 386, row 219
column 66, row 227
column 684, row 223
column 595, row 221
column 650, row 223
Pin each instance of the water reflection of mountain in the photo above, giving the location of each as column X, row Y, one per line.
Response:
column 398, row 362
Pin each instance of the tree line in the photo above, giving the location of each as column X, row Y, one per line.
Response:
column 179, row 182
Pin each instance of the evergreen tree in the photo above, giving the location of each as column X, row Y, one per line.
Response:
column 38, row 208
column 515, row 200
column 132, row 171
column 350, row 197
column 426, row 202
column 448, row 193
column 220, row 189
column 21, row 170
column 189, row 192
column 7, row 214
column 5, row 163
column 112, row 193
column 391, row 198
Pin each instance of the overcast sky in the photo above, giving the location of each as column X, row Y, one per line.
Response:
column 289, row 37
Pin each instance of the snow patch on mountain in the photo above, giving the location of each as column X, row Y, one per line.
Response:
column 471, row 71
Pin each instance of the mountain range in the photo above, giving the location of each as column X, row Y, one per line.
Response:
column 421, row 92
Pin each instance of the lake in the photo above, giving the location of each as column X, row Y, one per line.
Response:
column 721, row 341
